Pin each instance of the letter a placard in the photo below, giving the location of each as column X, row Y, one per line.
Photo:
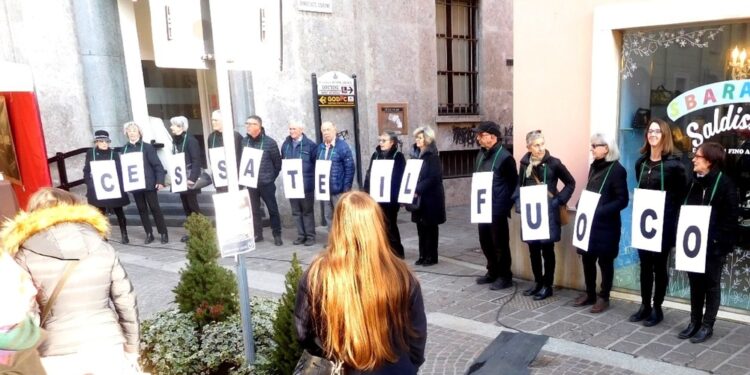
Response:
column 534, row 213
column 692, row 238
column 218, row 166
column 133, row 176
column 584, row 219
column 249, row 167
column 481, row 197
column 106, row 181
column 177, row 172
column 323, row 180
column 648, row 219
column 409, row 181
column 380, row 180
column 291, row 175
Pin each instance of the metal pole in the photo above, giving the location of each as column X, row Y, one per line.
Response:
column 318, row 135
column 357, row 149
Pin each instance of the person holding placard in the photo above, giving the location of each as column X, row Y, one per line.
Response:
column 342, row 166
column 270, row 166
column 658, row 169
column 298, row 146
column 539, row 167
column 710, row 187
column 607, row 178
column 102, row 151
column 216, row 140
column 184, row 143
column 493, row 237
column 430, row 195
column 153, row 173
column 388, row 150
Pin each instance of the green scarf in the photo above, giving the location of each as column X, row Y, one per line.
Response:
column 23, row 336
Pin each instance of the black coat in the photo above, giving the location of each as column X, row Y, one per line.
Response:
column 549, row 171
column 305, row 150
column 504, row 178
column 430, row 188
column 648, row 176
column 399, row 164
column 722, row 230
column 97, row 154
column 188, row 145
column 152, row 168
column 270, row 164
column 606, row 225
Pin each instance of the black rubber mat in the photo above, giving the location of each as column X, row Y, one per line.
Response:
column 509, row 354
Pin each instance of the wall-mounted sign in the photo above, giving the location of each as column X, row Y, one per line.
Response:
column 336, row 100
column 336, row 89
column 319, row 6
column 392, row 116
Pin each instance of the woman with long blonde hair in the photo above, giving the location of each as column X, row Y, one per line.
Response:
column 358, row 303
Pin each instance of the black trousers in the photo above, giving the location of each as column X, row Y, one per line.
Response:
column 190, row 203
column 268, row 194
column 428, row 241
column 493, row 238
column 390, row 211
column 148, row 200
column 303, row 211
column 121, row 221
column 537, row 251
column 705, row 288
column 653, row 274
column 607, row 267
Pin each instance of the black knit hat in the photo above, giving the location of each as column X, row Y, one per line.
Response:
column 101, row 135
column 488, row 127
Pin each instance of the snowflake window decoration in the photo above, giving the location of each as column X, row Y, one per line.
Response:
column 641, row 44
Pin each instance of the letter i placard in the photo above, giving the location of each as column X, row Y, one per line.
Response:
column 648, row 219
column 692, row 238
column 481, row 197
column 534, row 213
column 380, row 180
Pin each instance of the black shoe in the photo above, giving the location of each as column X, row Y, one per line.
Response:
column 299, row 241
column 419, row 262
column 690, row 330
column 164, row 238
column 703, row 334
column 584, row 299
column 125, row 239
column 501, row 284
column 149, row 238
column 310, row 241
column 533, row 290
column 655, row 318
column 259, row 238
column 642, row 313
column 429, row 262
column 277, row 240
column 543, row 294
column 184, row 238
column 486, row 279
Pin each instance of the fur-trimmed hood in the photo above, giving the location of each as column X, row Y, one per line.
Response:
column 64, row 231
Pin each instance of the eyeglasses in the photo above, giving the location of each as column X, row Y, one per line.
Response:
column 654, row 131
column 595, row 145
column 696, row 156
column 383, row 140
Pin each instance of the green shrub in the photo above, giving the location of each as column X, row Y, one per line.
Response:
column 206, row 290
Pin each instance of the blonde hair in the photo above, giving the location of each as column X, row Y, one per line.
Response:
column 427, row 132
column 48, row 197
column 360, row 291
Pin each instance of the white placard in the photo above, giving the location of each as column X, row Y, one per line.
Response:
column 178, row 172
column 106, row 182
column 218, row 166
column 234, row 223
column 481, row 197
column 381, row 175
column 291, row 175
column 133, row 175
column 534, row 213
column 250, row 166
column 409, row 181
column 323, row 180
column 692, row 238
column 584, row 219
column 647, row 224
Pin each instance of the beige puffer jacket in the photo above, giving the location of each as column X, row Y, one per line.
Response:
column 81, row 318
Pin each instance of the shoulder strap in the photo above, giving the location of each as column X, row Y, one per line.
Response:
column 60, row 284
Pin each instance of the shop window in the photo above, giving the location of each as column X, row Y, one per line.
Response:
column 456, row 57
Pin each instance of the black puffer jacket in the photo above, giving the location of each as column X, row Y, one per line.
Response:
column 95, row 154
column 430, row 188
column 549, row 172
column 187, row 144
column 722, row 229
column 504, row 180
column 399, row 164
column 607, row 178
column 153, row 169
column 649, row 176
column 270, row 164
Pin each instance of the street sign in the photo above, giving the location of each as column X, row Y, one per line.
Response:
column 336, row 100
column 336, row 89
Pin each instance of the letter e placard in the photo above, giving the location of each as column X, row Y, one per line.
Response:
column 323, row 180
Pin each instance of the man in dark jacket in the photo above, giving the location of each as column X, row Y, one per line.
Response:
column 270, row 166
column 298, row 146
column 215, row 140
column 493, row 237
column 342, row 166
column 184, row 143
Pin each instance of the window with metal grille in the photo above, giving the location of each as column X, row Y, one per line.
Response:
column 457, row 164
column 456, row 57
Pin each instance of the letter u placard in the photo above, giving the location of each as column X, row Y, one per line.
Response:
column 692, row 238
column 481, row 197
column 323, row 180
column 534, row 213
column 291, row 175
column 647, row 226
column 177, row 172
column 133, row 175
column 218, row 166
column 409, row 181
column 584, row 219
column 380, row 180
column 106, row 182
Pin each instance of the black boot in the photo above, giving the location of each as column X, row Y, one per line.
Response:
column 277, row 240
column 149, row 238
column 124, row 236
column 703, row 334
column 164, row 238
column 643, row 312
column 533, row 290
column 543, row 293
column 690, row 330
column 655, row 318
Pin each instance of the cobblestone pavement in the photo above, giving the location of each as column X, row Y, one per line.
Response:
column 450, row 292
